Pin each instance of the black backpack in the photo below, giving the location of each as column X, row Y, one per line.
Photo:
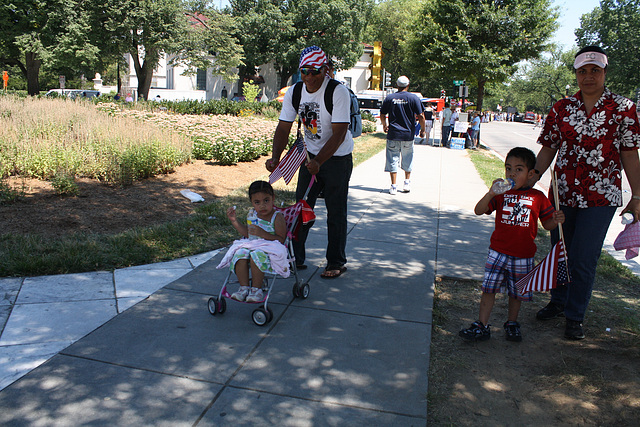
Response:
column 355, row 124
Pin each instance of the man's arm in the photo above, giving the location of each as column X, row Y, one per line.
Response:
column 422, row 125
column 330, row 147
column 383, row 120
column 280, row 139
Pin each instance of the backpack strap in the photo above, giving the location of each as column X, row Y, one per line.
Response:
column 328, row 94
column 297, row 94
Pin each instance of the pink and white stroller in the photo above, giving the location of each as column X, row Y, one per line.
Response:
column 295, row 215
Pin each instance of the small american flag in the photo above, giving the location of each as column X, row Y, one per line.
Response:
column 550, row 273
column 290, row 163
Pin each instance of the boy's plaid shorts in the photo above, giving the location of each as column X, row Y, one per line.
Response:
column 503, row 272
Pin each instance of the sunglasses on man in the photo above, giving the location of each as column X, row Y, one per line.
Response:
column 311, row 71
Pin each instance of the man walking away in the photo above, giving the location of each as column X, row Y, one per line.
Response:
column 402, row 108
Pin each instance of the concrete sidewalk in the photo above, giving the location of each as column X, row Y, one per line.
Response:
column 355, row 352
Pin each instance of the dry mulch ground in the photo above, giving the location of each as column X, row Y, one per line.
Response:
column 545, row 380
column 101, row 208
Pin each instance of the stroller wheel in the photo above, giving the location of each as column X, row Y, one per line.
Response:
column 296, row 291
column 304, row 291
column 260, row 316
column 212, row 305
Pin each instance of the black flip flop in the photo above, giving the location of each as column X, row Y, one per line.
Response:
column 340, row 271
column 301, row 267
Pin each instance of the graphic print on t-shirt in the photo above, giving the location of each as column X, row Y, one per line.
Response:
column 310, row 118
column 516, row 210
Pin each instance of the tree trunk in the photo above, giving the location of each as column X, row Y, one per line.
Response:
column 144, row 73
column 481, row 83
column 33, row 71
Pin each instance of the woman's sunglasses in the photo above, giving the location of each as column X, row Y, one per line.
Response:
column 312, row 71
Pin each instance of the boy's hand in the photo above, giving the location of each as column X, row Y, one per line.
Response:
column 491, row 192
column 558, row 217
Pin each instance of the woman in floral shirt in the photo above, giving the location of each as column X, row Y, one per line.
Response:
column 596, row 135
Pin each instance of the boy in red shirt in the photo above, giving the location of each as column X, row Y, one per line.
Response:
column 512, row 243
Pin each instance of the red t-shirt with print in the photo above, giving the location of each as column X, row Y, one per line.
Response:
column 517, row 213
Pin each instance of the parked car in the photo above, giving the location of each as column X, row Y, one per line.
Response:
column 73, row 93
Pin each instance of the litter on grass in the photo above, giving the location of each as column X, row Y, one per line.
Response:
column 194, row 197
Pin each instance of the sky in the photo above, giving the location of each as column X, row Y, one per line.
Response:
column 570, row 13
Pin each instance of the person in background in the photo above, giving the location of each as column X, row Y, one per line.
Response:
column 475, row 130
column 446, row 126
column 595, row 135
column 402, row 108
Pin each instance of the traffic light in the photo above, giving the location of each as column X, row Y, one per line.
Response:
column 443, row 94
column 376, row 65
column 387, row 79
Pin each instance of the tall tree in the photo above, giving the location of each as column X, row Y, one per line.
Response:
column 277, row 30
column 615, row 26
column 45, row 33
column 480, row 41
column 392, row 23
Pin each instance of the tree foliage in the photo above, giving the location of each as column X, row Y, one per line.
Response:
column 45, row 34
column 537, row 84
column 480, row 41
column 278, row 30
column 615, row 26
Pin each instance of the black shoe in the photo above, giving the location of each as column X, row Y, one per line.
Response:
column 551, row 311
column 573, row 330
column 476, row 332
column 512, row 330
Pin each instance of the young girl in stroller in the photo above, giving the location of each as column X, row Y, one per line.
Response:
column 264, row 252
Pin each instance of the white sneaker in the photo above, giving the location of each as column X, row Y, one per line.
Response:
column 256, row 295
column 241, row 293
column 393, row 190
column 407, row 186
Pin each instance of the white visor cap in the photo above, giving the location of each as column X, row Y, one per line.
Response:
column 595, row 58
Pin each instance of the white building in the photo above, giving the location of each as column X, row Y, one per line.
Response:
column 169, row 82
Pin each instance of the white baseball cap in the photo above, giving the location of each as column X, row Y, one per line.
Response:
column 403, row 81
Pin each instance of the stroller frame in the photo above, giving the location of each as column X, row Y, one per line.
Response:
column 263, row 314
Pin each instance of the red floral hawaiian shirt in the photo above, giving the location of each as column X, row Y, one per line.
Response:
column 588, row 164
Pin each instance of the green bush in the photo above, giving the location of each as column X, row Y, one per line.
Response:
column 368, row 126
column 366, row 115
column 9, row 194
column 222, row 106
column 64, row 184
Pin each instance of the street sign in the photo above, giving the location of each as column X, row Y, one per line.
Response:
column 458, row 82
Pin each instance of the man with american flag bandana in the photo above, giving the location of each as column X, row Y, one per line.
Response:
column 329, row 144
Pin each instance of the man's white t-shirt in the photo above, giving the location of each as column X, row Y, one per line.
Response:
column 454, row 116
column 315, row 118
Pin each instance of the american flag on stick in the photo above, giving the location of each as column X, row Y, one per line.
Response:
column 554, row 269
column 290, row 163
column 550, row 273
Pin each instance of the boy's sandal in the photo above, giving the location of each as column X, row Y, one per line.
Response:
column 333, row 272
